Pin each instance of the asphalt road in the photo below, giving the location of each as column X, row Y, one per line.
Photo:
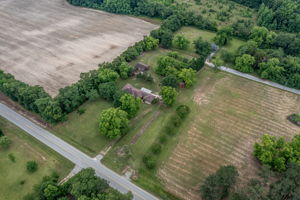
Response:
column 74, row 155
column 253, row 78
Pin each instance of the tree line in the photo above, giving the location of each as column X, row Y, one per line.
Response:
column 93, row 84
column 283, row 15
column 83, row 186
column 270, row 55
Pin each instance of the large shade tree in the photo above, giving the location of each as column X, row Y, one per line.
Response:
column 113, row 122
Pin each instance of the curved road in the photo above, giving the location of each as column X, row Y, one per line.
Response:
column 74, row 155
column 253, row 78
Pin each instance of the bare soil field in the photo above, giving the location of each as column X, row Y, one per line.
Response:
column 229, row 114
column 49, row 42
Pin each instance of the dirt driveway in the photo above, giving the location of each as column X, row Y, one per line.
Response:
column 49, row 42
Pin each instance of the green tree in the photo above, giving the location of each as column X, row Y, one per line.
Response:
column 52, row 192
column 150, row 43
column 276, row 152
column 271, row 69
column 125, row 70
column 4, row 142
column 168, row 95
column 287, row 187
column 262, row 36
column 31, row 166
column 187, row 76
column 182, row 111
column 181, row 42
column 50, row 110
column 107, row 75
column 107, row 90
column 86, row 183
column 113, row 122
column 217, row 186
column 130, row 104
column 245, row 63
column 203, row 48
column 224, row 35
column 170, row 80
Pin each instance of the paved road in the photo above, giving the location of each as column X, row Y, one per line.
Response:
column 74, row 155
column 232, row 71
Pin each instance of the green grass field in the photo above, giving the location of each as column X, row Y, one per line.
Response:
column 81, row 131
column 16, row 182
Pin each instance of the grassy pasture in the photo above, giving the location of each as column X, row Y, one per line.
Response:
column 229, row 114
column 193, row 33
column 26, row 148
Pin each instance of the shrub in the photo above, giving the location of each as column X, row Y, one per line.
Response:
column 156, row 148
column 5, row 142
column 29, row 197
column 22, row 182
column 176, row 120
column 295, row 118
column 31, row 166
column 181, row 42
column 1, row 133
column 182, row 111
column 162, row 139
column 81, row 111
column 149, row 161
column 11, row 157
column 170, row 129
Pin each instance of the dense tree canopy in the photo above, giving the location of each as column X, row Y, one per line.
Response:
column 217, row 186
column 130, row 104
column 203, row 48
column 187, row 76
column 170, row 80
column 107, row 75
column 113, row 122
column 181, row 42
column 224, row 35
column 168, row 95
column 245, row 63
column 276, row 152
column 85, row 185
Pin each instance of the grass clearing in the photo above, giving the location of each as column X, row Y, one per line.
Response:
column 82, row 131
column 193, row 34
column 229, row 114
column 16, row 182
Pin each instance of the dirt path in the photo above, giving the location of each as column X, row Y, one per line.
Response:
column 145, row 126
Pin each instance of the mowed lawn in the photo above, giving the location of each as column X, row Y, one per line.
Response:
column 82, row 130
column 229, row 114
column 16, row 182
column 193, row 34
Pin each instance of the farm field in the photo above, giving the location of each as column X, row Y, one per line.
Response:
column 15, row 181
column 49, row 43
column 229, row 114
